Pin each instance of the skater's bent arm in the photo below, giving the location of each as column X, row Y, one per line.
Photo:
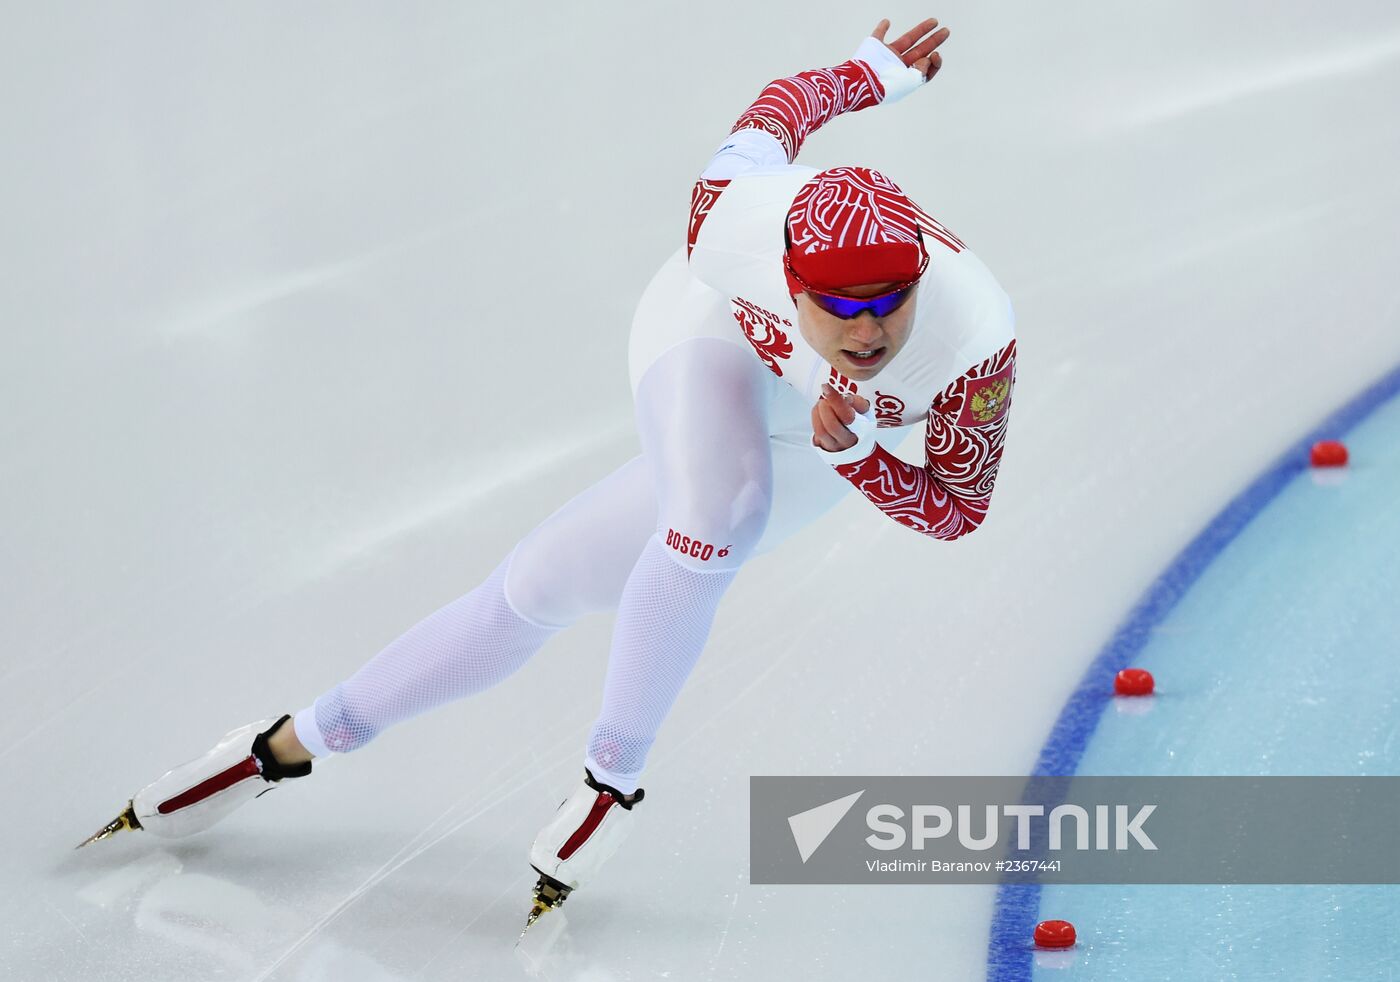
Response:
column 949, row 496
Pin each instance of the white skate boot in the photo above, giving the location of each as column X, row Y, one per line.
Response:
column 197, row 794
column 584, row 833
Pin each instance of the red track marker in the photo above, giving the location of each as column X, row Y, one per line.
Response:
column 1329, row 453
column 1133, row 682
column 1054, row 934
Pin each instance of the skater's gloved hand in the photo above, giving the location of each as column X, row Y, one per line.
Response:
column 842, row 423
column 907, row 62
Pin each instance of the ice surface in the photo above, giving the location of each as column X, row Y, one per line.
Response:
column 311, row 311
column 1279, row 660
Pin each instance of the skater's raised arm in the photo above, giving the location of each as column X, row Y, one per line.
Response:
column 771, row 131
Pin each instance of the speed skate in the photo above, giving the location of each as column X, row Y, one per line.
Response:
column 587, row 829
column 200, row 793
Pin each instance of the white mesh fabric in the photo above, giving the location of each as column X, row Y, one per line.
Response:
column 702, row 414
column 577, row 560
column 663, row 621
column 465, row 647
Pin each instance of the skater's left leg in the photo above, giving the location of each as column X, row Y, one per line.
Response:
column 735, row 472
column 702, row 414
column 726, row 488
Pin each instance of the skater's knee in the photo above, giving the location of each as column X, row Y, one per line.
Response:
column 719, row 537
column 542, row 587
column 537, row 592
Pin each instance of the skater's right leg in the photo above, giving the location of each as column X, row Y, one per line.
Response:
column 462, row 648
column 573, row 563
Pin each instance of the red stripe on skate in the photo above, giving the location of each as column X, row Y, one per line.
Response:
column 244, row 769
column 601, row 804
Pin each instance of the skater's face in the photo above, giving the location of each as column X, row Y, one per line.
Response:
column 858, row 347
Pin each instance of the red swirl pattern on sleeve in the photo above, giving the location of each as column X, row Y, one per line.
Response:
column 949, row 496
column 791, row 108
column 702, row 199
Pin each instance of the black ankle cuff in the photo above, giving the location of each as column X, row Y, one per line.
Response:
column 272, row 769
column 597, row 785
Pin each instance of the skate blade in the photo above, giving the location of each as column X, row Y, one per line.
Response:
column 535, row 911
column 536, row 947
column 549, row 894
column 126, row 820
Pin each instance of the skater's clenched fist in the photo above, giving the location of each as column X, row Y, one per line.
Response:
column 832, row 417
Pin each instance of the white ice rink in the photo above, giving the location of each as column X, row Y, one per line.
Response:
column 311, row 310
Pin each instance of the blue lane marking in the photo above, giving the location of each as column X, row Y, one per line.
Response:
column 1009, row 948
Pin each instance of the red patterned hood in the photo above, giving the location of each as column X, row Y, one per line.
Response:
column 849, row 226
